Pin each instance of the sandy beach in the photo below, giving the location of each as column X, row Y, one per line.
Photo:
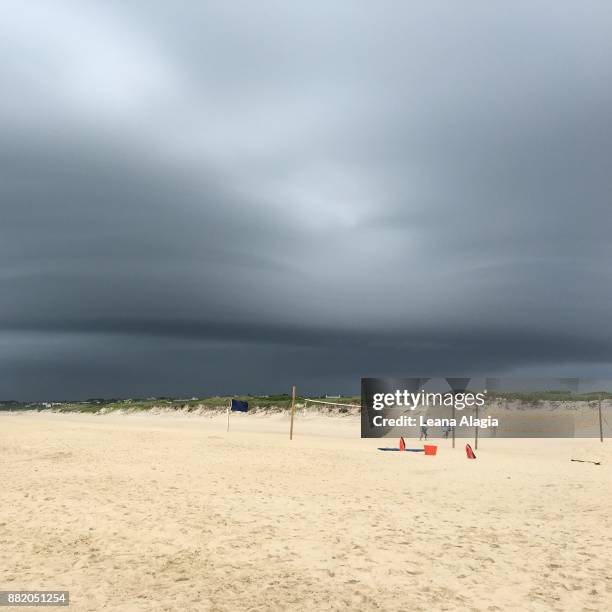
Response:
column 169, row 512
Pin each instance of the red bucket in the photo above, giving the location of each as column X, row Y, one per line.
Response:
column 430, row 449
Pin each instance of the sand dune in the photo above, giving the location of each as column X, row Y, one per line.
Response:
column 160, row 512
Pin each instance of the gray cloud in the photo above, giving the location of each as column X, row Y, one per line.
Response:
column 233, row 198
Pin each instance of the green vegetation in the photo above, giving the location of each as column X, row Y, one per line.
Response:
column 269, row 402
column 264, row 402
column 534, row 397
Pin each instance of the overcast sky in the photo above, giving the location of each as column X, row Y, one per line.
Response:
column 216, row 197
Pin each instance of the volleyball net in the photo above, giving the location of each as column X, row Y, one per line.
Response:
column 319, row 402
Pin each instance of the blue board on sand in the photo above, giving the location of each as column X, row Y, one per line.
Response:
column 408, row 450
column 239, row 406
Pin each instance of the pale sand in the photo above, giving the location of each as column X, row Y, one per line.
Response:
column 154, row 512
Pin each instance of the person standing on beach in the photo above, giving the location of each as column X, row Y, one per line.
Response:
column 423, row 433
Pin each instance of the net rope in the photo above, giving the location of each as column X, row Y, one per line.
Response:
column 306, row 400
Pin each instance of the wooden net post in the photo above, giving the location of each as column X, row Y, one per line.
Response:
column 453, row 421
column 292, row 411
column 600, row 423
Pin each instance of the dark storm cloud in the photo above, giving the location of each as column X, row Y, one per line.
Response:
column 235, row 197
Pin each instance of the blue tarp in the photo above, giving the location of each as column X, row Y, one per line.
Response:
column 239, row 406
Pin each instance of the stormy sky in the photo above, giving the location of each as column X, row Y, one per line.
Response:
column 218, row 197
